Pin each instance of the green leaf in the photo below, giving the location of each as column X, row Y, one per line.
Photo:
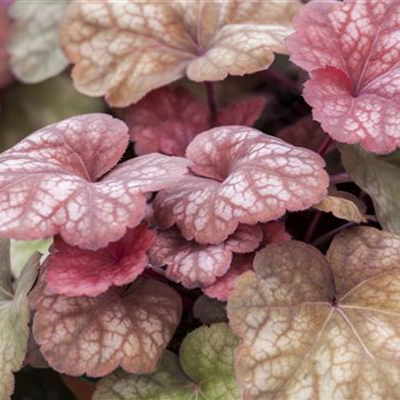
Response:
column 205, row 372
column 14, row 318
column 380, row 178
column 25, row 109
column 35, row 50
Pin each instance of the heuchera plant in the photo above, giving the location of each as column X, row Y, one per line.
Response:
column 214, row 238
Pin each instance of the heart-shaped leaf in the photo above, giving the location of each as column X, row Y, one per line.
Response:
column 14, row 317
column 126, row 49
column 127, row 327
column 34, row 47
column 242, row 176
column 167, row 119
column 72, row 271
column 315, row 327
column 205, row 373
column 50, row 183
column 353, row 87
column 379, row 177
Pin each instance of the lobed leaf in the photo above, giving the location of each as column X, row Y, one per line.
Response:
column 316, row 327
column 125, row 50
column 352, row 53
column 379, row 177
column 50, row 183
column 242, row 176
column 34, row 46
column 72, row 271
column 128, row 327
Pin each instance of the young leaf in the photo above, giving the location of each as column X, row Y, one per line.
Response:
column 343, row 205
column 197, row 265
column 50, row 183
column 72, row 271
column 34, row 46
column 125, row 50
column 354, row 87
column 14, row 317
column 127, row 327
column 242, row 176
column 5, row 27
column 316, row 327
column 380, row 178
column 167, row 119
column 206, row 357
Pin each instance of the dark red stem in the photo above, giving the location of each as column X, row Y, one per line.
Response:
column 212, row 103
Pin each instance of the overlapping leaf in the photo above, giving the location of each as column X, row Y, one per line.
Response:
column 72, row 271
column 316, row 327
column 34, row 47
column 380, row 178
column 209, row 311
column 352, row 52
column 167, row 120
column 206, row 372
column 197, row 265
column 50, row 184
column 14, row 318
column 127, row 327
column 126, row 49
column 242, row 176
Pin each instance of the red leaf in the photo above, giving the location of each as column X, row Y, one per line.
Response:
column 76, row 272
column 167, row 119
column 251, row 177
column 49, row 183
column 352, row 52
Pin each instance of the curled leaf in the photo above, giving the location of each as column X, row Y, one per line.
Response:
column 242, row 176
column 14, row 317
column 126, row 49
column 168, row 119
column 50, row 183
column 353, row 87
column 343, row 205
column 318, row 327
column 72, row 271
column 128, row 327
column 34, row 47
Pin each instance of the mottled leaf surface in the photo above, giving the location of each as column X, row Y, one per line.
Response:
column 72, row 271
column 50, row 184
column 124, row 327
column 320, row 327
column 14, row 317
column 242, row 176
column 34, row 46
column 352, row 52
column 126, row 49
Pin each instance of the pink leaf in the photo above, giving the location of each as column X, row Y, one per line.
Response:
column 125, row 327
column 196, row 265
column 273, row 232
column 352, row 52
column 76, row 272
column 49, row 183
column 243, row 176
column 168, row 119
column 5, row 30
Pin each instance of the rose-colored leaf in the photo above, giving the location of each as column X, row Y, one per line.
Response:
column 128, row 327
column 5, row 27
column 126, row 49
column 50, row 183
column 168, row 119
column 254, row 178
column 76, row 272
column 343, row 205
column 320, row 327
column 274, row 233
column 196, row 265
column 351, row 50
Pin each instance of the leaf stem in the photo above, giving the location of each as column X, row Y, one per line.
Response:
column 212, row 102
column 324, row 238
column 340, row 178
column 313, row 226
column 325, row 146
